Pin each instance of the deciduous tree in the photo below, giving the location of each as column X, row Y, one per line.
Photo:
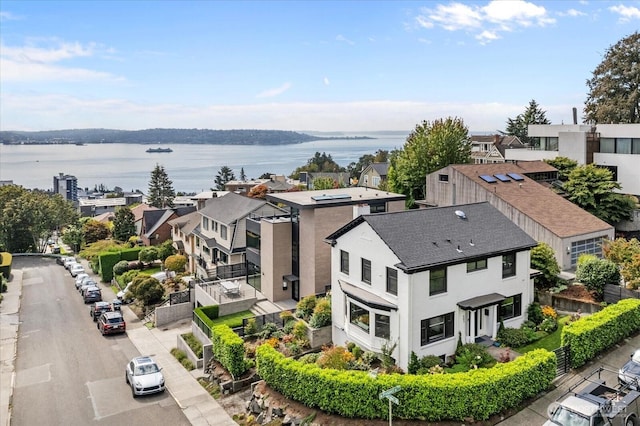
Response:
column 93, row 231
column 544, row 260
column 318, row 163
column 614, row 88
column 355, row 169
column 161, row 193
column 124, row 226
column 175, row 263
column 519, row 126
column 324, row 182
column 430, row 147
column 592, row 188
column 564, row 165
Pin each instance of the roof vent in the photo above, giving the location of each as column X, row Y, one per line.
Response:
column 459, row 250
column 461, row 214
column 471, row 243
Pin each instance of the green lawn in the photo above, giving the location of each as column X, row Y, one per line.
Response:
column 233, row 320
column 549, row 342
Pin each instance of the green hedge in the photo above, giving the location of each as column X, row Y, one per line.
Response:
column 107, row 260
column 594, row 333
column 228, row 350
column 5, row 264
column 476, row 394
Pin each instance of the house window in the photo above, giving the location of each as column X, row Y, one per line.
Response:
column 383, row 326
column 223, row 232
column 436, row 328
column 366, row 180
column 366, row 271
column 476, row 265
column 197, row 242
column 375, row 180
column 377, row 207
column 344, row 262
column 443, row 178
column 511, row 307
column 508, row 265
column 205, row 223
column 392, row 281
column 437, row 281
column 223, row 257
column 359, row 317
column 215, row 226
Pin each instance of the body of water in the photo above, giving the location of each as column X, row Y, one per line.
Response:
column 192, row 168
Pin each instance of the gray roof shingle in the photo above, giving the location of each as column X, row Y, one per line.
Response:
column 427, row 238
column 231, row 207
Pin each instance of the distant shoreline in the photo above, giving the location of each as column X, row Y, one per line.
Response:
column 71, row 142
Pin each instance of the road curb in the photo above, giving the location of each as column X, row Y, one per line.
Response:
column 10, row 325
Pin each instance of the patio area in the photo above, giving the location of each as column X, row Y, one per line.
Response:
column 229, row 291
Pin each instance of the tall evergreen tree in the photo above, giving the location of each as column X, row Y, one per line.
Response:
column 614, row 88
column 519, row 126
column 161, row 193
column 124, row 224
column 224, row 175
column 243, row 176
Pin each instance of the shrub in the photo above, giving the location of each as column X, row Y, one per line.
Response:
column 514, row 337
column 596, row 273
column 473, row 356
column 321, row 316
column 311, row 358
column 534, row 313
column 335, row 357
column 286, row 316
column 120, row 267
column 423, row 365
column 175, row 263
column 305, row 307
column 128, row 276
column 147, row 289
column 251, row 327
column 300, row 330
column 228, row 350
column 549, row 312
column 357, row 352
column 544, row 260
column 148, row 254
column 194, row 344
column 267, row 330
column 549, row 325
column 288, row 327
column 369, row 357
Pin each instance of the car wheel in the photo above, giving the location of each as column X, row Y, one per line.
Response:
column 133, row 392
column 126, row 378
column 631, row 421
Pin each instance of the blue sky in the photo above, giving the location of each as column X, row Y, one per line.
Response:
column 306, row 66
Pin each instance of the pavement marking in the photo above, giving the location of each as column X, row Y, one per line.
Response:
column 33, row 376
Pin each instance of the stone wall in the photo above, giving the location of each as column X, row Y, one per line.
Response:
column 184, row 347
column 170, row 313
column 319, row 337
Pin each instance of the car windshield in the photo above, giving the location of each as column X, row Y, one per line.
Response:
column 141, row 370
column 565, row 417
column 636, row 357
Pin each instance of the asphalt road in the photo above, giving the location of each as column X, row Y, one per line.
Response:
column 67, row 373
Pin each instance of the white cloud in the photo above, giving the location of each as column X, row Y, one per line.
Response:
column 275, row 91
column 326, row 81
column 572, row 13
column 343, row 39
column 485, row 22
column 8, row 16
column 40, row 63
column 626, row 13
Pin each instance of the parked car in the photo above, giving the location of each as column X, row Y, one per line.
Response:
column 122, row 294
column 76, row 269
column 144, row 376
column 92, row 294
column 111, row 322
column 629, row 374
column 81, row 276
column 60, row 260
column 55, row 250
column 88, row 282
column 98, row 308
column 68, row 261
column 116, row 305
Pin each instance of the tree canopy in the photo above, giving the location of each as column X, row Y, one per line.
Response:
column 124, row 225
column 29, row 218
column 614, row 88
column 564, row 165
column 518, row 126
column 161, row 193
column 355, row 169
column 430, row 147
column 224, row 175
column 318, row 163
column 592, row 188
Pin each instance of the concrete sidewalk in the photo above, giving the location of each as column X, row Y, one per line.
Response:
column 9, row 323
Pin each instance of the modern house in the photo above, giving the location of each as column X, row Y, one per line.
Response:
column 520, row 191
column 373, row 175
column 67, row 186
column 614, row 146
column 491, row 149
column 286, row 255
column 427, row 278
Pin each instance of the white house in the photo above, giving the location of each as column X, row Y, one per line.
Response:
column 423, row 278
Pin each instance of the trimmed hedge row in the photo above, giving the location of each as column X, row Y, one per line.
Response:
column 476, row 394
column 594, row 333
column 228, row 350
column 107, row 260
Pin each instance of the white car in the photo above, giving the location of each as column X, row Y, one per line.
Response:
column 76, row 269
column 80, row 277
column 69, row 261
column 144, row 376
column 122, row 293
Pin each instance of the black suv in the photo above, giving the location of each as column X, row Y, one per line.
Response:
column 111, row 323
column 97, row 308
column 92, row 294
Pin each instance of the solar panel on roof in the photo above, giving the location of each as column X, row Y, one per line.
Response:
column 488, row 179
column 502, row 178
column 515, row 176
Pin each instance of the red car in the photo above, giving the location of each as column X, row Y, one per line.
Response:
column 111, row 323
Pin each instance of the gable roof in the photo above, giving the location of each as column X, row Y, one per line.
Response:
column 380, row 168
column 426, row 238
column 541, row 204
column 186, row 223
column 231, row 207
column 153, row 219
column 140, row 209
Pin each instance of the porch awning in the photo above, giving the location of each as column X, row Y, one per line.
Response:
column 290, row 278
column 363, row 296
column 481, row 301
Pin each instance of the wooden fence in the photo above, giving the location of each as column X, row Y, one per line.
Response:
column 615, row 293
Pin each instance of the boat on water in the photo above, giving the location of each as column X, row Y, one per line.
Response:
column 159, row 150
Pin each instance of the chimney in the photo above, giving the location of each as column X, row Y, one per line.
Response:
column 496, row 139
column 575, row 115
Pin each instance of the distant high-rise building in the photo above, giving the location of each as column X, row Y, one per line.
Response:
column 66, row 185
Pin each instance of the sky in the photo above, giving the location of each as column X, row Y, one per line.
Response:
column 323, row 66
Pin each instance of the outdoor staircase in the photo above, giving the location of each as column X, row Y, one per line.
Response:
column 263, row 307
